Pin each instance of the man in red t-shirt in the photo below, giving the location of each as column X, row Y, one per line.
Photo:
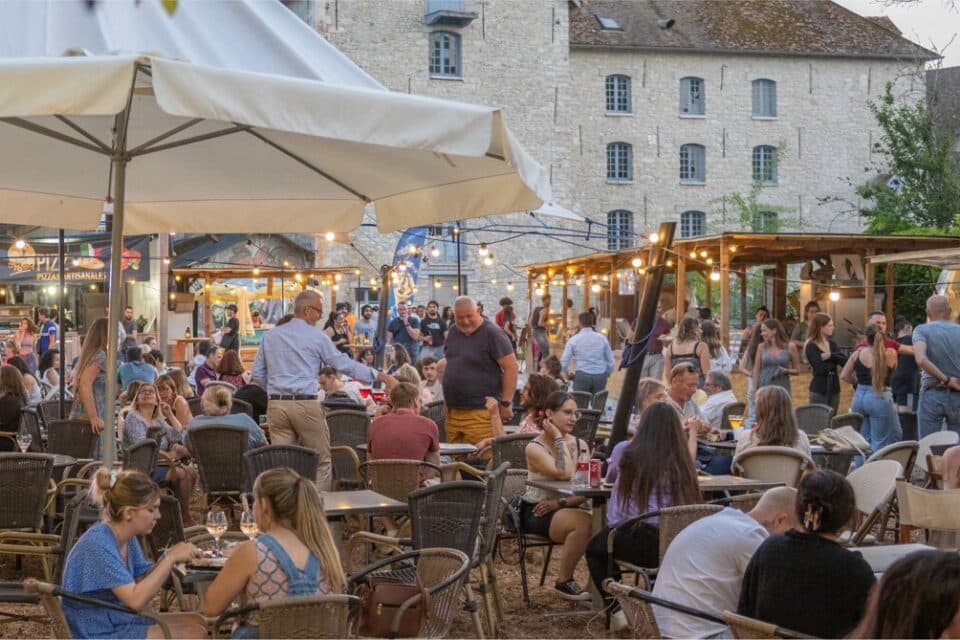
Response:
column 879, row 318
column 403, row 434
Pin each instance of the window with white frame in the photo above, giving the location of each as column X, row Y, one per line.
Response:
column 693, row 223
column 619, row 162
column 764, row 98
column 765, row 221
column 692, row 97
column 442, row 238
column 445, row 54
column 693, row 168
column 765, row 164
column 619, row 229
column 618, row 94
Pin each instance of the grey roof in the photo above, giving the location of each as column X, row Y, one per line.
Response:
column 782, row 27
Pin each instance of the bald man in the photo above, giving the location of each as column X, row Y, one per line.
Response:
column 479, row 363
column 936, row 346
column 704, row 565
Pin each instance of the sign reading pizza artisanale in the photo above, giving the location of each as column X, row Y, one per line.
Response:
column 86, row 261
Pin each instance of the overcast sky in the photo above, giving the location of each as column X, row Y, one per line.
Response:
column 931, row 23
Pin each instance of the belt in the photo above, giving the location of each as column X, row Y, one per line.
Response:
column 292, row 396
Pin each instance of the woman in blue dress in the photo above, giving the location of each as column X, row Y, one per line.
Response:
column 108, row 564
column 91, row 395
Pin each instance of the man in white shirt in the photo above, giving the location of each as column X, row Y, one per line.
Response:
column 704, row 565
column 719, row 395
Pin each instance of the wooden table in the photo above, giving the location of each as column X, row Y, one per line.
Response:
column 180, row 347
column 881, row 557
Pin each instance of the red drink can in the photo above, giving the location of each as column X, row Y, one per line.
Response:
column 594, row 472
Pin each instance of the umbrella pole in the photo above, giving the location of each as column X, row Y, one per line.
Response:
column 61, row 316
column 108, row 438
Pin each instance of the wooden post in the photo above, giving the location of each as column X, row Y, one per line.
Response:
column 743, row 298
column 708, row 285
column 888, row 297
column 269, row 286
column 563, row 305
column 724, row 296
column 780, row 291
column 612, row 332
column 207, row 310
column 681, row 287
column 869, row 283
column 587, row 283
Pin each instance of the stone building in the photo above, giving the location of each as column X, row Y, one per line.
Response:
column 643, row 111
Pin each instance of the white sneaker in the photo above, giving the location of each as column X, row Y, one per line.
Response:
column 618, row 621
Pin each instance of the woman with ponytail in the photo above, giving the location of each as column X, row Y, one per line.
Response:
column 107, row 564
column 294, row 554
column 804, row 580
column 871, row 368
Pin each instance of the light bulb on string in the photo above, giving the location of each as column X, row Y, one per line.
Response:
column 337, row 277
column 715, row 275
column 488, row 261
column 402, row 266
column 435, row 251
column 413, row 249
column 703, row 253
column 329, row 236
column 834, row 295
column 373, row 282
column 669, row 263
column 595, row 288
column 437, row 284
column 256, row 271
column 19, row 244
column 637, row 263
column 483, row 251
column 166, row 260
column 693, row 254
column 709, row 261
column 509, row 286
column 493, row 281
column 538, row 291
column 654, row 237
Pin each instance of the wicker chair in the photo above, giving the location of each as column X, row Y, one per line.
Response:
column 745, row 501
column 241, row 406
column 599, row 401
column 874, row 486
column 142, row 456
column 74, row 438
column 346, row 468
column 813, row 418
column 348, row 428
column 639, row 612
column 586, row 427
column 218, row 451
column 49, row 410
column 51, row 594
column 441, row 572
column 923, row 451
column 746, row 628
column 394, row 478
column 302, row 460
column 51, row 549
column 437, row 411
column 934, row 511
column 732, row 409
column 328, row 616
column 515, row 484
column 490, row 522
column 511, row 449
column 773, row 464
column 903, row 452
column 582, row 398
column 852, row 419
column 30, row 423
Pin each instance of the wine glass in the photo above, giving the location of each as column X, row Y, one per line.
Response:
column 248, row 525
column 23, row 441
column 217, row 526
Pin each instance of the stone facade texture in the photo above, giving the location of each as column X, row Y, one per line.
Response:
column 517, row 55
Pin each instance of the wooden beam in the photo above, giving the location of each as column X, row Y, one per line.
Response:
column 888, row 298
column 780, row 291
column 681, row 287
column 870, row 282
column 612, row 331
column 587, row 283
column 708, row 286
column 724, row 296
column 563, row 307
column 207, row 311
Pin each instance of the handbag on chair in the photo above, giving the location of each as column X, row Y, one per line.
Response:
column 382, row 597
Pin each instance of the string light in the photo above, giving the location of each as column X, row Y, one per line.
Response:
column 165, row 261
column 329, row 235
column 488, row 261
column 373, row 282
column 669, row 263
column 733, row 248
column 256, row 271
column 715, row 275
column 337, row 277
column 336, row 287
column 356, row 272
column 538, row 291
column 402, row 266
column 509, row 286
column 286, row 263
column 93, row 287
column 455, row 287
column 637, row 263
column 75, row 262
column 298, row 277
column 412, row 249
column 437, row 284
column 435, row 251
column 654, row 237
column 493, row 281
column 19, row 244
column 703, row 253
column 595, row 288
column 693, row 254
column 834, row 295
column 483, row 251
column 177, row 278
column 709, row 261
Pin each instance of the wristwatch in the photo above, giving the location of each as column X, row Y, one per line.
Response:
column 505, row 403
column 562, row 502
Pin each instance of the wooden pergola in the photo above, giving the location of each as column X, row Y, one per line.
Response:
column 732, row 253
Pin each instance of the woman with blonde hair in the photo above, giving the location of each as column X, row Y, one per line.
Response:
column 776, row 424
column 170, row 395
column 217, row 401
column 26, row 337
column 871, row 370
column 90, row 399
column 409, row 373
column 107, row 564
column 183, row 384
column 294, row 554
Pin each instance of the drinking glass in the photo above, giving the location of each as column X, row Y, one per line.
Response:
column 248, row 525
column 23, row 441
column 735, row 421
column 217, row 526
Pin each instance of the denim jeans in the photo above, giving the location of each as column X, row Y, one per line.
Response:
column 589, row 382
column 937, row 406
column 881, row 423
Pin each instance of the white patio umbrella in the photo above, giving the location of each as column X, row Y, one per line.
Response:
column 197, row 148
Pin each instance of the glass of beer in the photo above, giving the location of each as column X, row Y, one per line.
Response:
column 735, row 421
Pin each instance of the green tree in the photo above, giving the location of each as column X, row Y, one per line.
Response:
column 910, row 149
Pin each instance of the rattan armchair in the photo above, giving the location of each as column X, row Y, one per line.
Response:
column 582, row 398
column 813, row 418
column 514, row 485
column 639, row 613
column 346, row 468
column 142, row 456
column 586, row 427
column 302, row 460
column 51, row 549
column 395, row 478
column 746, row 628
column 329, row 616
column 490, row 522
column 512, row 449
column 441, row 572
column 218, row 451
column 773, row 464
column 30, row 423
column 348, row 428
column 25, row 486
column 852, row 419
column 74, row 438
column 49, row 410
column 51, row 594
column 599, row 401
column 437, row 411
